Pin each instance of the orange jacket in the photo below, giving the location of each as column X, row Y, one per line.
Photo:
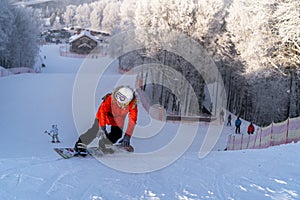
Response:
column 109, row 113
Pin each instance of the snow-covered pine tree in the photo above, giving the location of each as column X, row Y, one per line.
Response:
column 111, row 19
column 69, row 15
column 127, row 14
column 6, row 26
column 267, row 54
column 191, row 18
column 96, row 16
column 23, row 46
column 18, row 36
column 82, row 16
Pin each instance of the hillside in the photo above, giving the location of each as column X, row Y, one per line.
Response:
column 30, row 169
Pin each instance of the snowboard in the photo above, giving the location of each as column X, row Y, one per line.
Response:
column 69, row 152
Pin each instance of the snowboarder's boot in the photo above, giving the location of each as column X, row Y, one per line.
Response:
column 80, row 147
column 103, row 142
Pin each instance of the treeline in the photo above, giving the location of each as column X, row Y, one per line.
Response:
column 255, row 45
column 18, row 37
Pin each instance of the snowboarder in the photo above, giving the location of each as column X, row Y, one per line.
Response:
column 238, row 123
column 54, row 134
column 229, row 120
column 112, row 111
column 251, row 129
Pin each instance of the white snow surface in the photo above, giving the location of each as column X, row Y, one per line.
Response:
column 30, row 169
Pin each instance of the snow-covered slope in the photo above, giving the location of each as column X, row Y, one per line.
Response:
column 30, row 169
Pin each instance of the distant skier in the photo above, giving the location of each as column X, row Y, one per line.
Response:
column 54, row 134
column 229, row 120
column 251, row 129
column 238, row 123
column 112, row 111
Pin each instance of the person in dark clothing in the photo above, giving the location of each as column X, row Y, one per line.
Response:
column 229, row 120
column 238, row 123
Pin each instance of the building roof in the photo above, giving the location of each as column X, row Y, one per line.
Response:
column 81, row 34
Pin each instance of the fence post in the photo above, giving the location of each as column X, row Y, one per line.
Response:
column 228, row 142
column 287, row 130
column 233, row 141
column 248, row 142
column 271, row 135
column 257, row 132
column 259, row 146
column 241, row 147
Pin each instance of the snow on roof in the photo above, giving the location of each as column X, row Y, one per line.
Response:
column 81, row 34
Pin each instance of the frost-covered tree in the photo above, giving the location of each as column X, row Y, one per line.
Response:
column 82, row 16
column 286, row 28
column 266, row 37
column 111, row 18
column 96, row 16
column 23, row 46
column 36, row 14
column 56, row 24
column 127, row 14
column 52, row 18
column 6, row 26
column 266, row 33
column 247, row 23
column 18, row 36
column 69, row 15
column 202, row 21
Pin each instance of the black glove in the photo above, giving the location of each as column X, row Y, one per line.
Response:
column 102, row 131
column 80, row 146
column 126, row 140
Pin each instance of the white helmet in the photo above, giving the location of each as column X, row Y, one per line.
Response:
column 123, row 95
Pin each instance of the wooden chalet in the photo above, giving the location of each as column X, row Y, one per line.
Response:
column 83, row 42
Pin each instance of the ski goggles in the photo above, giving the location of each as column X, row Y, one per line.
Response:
column 122, row 100
column 120, row 97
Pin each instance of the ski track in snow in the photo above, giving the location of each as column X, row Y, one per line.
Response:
column 32, row 170
column 187, row 178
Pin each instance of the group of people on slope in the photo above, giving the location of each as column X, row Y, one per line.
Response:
column 238, row 123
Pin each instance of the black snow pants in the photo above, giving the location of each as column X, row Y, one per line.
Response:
column 87, row 137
